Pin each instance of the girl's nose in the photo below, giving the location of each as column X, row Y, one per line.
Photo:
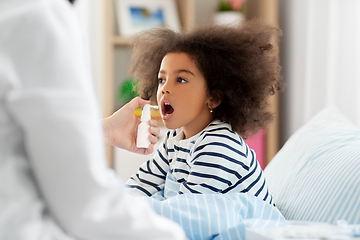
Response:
column 165, row 91
column 166, row 88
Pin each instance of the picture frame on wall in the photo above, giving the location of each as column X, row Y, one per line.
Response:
column 136, row 15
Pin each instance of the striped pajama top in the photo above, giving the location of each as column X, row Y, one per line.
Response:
column 216, row 160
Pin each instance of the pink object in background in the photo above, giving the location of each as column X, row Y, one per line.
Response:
column 237, row 4
column 257, row 143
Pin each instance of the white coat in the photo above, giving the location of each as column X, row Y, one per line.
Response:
column 54, row 182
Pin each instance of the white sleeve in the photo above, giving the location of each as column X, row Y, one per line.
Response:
column 53, row 103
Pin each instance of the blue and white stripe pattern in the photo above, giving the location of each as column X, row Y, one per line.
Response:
column 218, row 216
column 216, row 160
column 316, row 175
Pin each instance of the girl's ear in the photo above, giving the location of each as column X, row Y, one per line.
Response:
column 215, row 99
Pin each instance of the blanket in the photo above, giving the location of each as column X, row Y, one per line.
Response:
column 218, row 216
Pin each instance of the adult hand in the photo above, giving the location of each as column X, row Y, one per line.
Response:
column 120, row 129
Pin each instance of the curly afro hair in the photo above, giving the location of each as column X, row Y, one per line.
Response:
column 240, row 63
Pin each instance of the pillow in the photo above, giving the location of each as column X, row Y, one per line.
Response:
column 316, row 174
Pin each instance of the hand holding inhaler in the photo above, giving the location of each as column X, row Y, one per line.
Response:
column 120, row 129
column 142, row 140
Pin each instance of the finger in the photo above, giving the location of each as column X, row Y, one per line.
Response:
column 153, row 139
column 150, row 149
column 145, row 151
column 135, row 103
column 153, row 123
column 142, row 151
column 155, row 131
column 139, row 102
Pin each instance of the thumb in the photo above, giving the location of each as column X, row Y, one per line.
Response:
column 137, row 102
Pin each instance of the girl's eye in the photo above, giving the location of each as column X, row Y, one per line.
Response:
column 181, row 80
column 161, row 80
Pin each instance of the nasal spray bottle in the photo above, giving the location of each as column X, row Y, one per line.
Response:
column 143, row 128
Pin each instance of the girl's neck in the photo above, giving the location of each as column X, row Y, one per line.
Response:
column 190, row 131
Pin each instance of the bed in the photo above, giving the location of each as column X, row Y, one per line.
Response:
column 314, row 180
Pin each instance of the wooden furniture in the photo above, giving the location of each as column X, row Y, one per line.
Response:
column 112, row 41
column 268, row 10
column 191, row 12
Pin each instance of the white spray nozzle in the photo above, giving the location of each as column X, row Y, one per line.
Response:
column 146, row 114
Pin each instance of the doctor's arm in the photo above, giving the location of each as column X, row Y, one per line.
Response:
column 53, row 103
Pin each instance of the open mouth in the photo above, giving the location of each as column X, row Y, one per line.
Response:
column 166, row 110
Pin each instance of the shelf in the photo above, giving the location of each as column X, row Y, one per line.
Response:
column 121, row 41
column 191, row 13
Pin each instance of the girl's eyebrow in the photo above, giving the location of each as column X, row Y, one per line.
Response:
column 179, row 71
column 184, row 70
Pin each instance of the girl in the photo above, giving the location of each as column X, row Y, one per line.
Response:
column 211, row 84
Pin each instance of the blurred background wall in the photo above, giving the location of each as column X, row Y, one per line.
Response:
column 320, row 54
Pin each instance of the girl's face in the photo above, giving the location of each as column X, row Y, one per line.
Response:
column 182, row 94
